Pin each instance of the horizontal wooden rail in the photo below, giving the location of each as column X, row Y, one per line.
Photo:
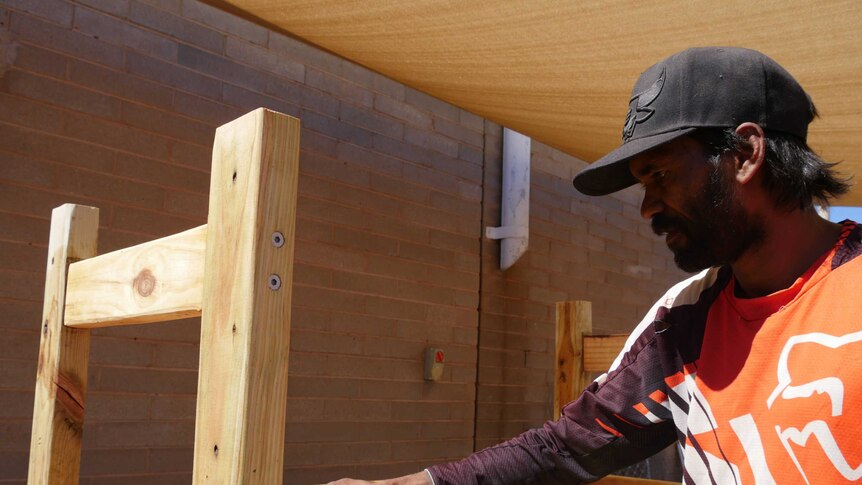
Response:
column 601, row 350
column 156, row 281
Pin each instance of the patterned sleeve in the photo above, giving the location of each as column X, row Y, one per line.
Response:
column 620, row 419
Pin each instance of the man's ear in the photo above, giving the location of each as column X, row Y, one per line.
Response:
column 751, row 158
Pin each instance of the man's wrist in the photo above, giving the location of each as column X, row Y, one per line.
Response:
column 421, row 478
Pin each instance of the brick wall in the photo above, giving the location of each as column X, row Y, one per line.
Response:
column 581, row 248
column 113, row 103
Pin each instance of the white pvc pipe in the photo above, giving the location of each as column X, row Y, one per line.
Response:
column 514, row 230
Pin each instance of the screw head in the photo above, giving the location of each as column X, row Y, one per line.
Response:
column 274, row 282
column 277, row 239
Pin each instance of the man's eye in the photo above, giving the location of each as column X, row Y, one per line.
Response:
column 659, row 174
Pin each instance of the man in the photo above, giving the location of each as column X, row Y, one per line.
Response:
column 752, row 365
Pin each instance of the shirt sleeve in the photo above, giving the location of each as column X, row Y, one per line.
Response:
column 620, row 419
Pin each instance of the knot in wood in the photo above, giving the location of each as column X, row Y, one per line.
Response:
column 145, row 283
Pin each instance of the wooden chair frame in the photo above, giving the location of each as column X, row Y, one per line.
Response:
column 235, row 272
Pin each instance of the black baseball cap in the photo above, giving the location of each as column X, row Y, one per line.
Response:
column 705, row 87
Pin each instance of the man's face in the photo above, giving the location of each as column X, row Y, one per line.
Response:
column 694, row 202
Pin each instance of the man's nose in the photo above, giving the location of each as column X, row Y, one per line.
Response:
column 651, row 204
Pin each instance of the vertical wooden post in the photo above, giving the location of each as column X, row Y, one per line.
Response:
column 574, row 319
column 245, row 315
column 61, row 375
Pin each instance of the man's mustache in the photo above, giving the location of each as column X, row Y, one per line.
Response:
column 663, row 224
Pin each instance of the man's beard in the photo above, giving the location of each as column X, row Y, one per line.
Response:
column 717, row 229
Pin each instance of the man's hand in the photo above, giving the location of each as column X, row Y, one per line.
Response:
column 420, row 478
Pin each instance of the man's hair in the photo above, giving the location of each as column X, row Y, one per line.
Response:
column 795, row 175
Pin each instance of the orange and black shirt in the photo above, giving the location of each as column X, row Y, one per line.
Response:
column 754, row 391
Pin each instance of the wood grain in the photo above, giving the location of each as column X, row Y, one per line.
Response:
column 600, row 351
column 61, row 374
column 245, row 325
column 152, row 282
column 574, row 318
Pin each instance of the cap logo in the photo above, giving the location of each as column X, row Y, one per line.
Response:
column 639, row 110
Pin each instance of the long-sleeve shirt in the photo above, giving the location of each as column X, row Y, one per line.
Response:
column 763, row 390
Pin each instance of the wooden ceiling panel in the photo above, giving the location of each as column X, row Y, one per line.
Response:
column 561, row 72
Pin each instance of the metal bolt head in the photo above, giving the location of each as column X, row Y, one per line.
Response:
column 274, row 282
column 277, row 239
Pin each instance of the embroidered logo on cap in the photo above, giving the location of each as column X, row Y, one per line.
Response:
column 638, row 106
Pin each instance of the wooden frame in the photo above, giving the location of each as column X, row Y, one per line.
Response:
column 580, row 354
column 235, row 272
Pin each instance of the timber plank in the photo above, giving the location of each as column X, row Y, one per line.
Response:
column 61, row 375
column 245, row 325
column 152, row 282
column 574, row 318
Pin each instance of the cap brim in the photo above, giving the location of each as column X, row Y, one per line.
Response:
column 611, row 172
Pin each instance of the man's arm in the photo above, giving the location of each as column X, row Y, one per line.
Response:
column 421, row 478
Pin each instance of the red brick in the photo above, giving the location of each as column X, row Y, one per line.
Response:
column 145, row 380
column 107, row 461
column 204, row 109
column 35, row 59
column 176, row 356
column 167, row 124
column 337, row 170
column 400, row 189
column 190, row 155
column 303, row 95
column 294, row 48
column 102, row 407
column 117, row 31
column 169, row 175
column 338, row 87
column 12, row 433
column 173, row 407
column 221, row 20
column 264, row 59
column 457, row 131
column 57, row 11
column 220, row 68
column 364, row 283
column 187, row 330
column 144, row 434
column 326, row 342
column 323, row 387
column 472, row 121
column 172, row 75
column 175, row 26
column 431, row 141
column 58, row 38
column 20, row 170
column 94, row 184
column 470, row 154
column 187, row 204
column 149, row 222
column 20, row 314
column 60, row 94
column 335, row 128
column 14, row 464
column 117, row 351
column 401, row 110
column 363, row 324
column 431, row 104
column 162, row 460
column 246, row 100
column 23, row 285
column 119, row 8
column 16, row 404
column 387, row 86
column 299, row 454
column 117, row 83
